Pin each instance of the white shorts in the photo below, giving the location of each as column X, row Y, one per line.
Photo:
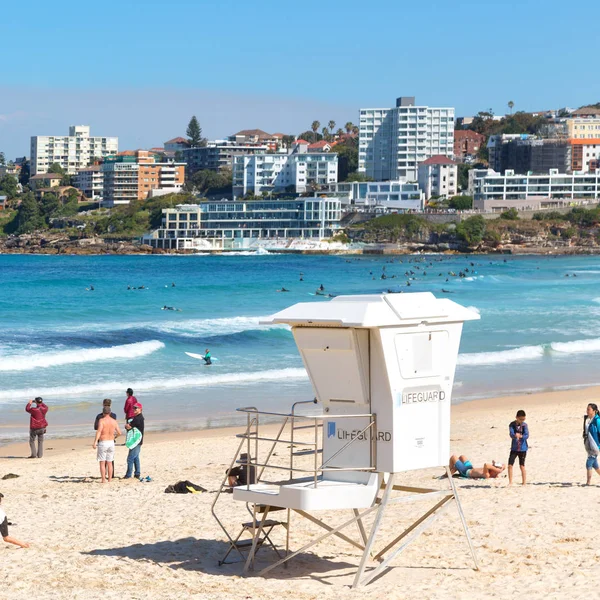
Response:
column 106, row 451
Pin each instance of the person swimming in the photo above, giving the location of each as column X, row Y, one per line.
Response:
column 283, row 290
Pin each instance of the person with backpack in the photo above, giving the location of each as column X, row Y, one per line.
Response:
column 591, row 440
column 37, row 426
column 135, row 439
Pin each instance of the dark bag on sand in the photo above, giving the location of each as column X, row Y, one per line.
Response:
column 185, row 487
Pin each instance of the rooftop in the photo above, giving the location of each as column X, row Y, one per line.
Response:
column 177, row 140
column 586, row 110
column 253, row 132
column 47, row 176
column 438, row 160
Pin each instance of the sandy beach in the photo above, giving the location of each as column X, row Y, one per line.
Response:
column 131, row 540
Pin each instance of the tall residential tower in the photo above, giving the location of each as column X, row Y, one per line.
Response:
column 72, row 152
column 393, row 141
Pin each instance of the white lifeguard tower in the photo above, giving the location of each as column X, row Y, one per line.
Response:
column 382, row 368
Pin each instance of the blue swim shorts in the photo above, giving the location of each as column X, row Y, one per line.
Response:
column 591, row 462
column 463, row 467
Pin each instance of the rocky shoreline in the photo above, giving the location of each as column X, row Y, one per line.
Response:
column 61, row 244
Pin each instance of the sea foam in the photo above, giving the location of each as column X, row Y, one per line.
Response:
column 577, row 346
column 28, row 362
column 502, row 356
column 146, row 385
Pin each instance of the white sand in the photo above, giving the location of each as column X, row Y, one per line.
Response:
column 130, row 540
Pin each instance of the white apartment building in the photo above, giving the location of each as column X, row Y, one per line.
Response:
column 71, row 152
column 438, row 176
column 393, row 141
column 379, row 196
column 493, row 191
column 90, row 181
column 296, row 172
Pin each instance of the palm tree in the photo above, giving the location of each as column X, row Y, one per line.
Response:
column 315, row 127
column 339, row 132
column 325, row 133
column 355, row 130
column 349, row 126
column 511, row 104
column 331, row 125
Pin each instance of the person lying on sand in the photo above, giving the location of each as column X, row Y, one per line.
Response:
column 4, row 529
column 463, row 466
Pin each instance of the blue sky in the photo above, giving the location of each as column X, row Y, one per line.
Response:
column 139, row 70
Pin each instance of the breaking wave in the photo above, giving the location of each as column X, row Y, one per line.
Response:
column 578, row 346
column 158, row 384
column 501, row 356
column 28, row 362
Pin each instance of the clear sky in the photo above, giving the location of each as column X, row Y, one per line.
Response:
column 140, row 69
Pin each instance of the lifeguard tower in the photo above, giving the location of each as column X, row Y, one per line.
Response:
column 382, row 368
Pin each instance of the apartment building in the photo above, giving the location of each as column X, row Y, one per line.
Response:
column 581, row 128
column 218, row 155
column 138, row 176
column 493, row 191
column 44, row 180
column 585, row 154
column 297, row 172
column 438, row 177
column 235, row 224
column 393, row 141
column 72, row 152
column 467, row 144
column 523, row 153
column 378, row 196
column 90, row 181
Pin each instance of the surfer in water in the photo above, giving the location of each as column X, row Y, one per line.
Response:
column 206, row 357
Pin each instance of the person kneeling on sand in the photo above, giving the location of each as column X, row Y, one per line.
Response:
column 4, row 529
column 463, row 466
column 108, row 430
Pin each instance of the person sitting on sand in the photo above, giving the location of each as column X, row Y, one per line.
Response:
column 463, row 466
column 4, row 529
column 239, row 475
column 108, row 430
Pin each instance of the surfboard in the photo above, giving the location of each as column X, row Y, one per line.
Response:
column 199, row 356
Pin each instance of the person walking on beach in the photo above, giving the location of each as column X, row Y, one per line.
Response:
column 4, row 529
column 108, row 430
column 128, row 408
column 591, row 440
column 107, row 402
column 519, row 434
column 135, row 442
column 37, row 426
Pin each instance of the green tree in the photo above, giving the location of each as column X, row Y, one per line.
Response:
column 194, row 133
column 331, row 126
column 315, row 127
column 207, row 182
column 288, row 140
column 356, row 176
column 49, row 205
column 463, row 176
column 56, row 168
column 325, row 133
column 347, row 159
column 349, row 126
column 310, row 136
column 461, row 202
column 25, row 173
column 339, row 132
column 512, row 214
column 29, row 218
column 355, row 130
column 9, row 186
column 511, row 105
column 2, row 159
column 471, row 230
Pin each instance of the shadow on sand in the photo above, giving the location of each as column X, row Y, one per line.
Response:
column 202, row 555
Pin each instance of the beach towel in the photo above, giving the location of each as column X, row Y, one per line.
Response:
column 134, row 437
column 185, row 487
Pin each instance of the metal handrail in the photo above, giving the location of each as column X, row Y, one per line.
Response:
column 251, row 434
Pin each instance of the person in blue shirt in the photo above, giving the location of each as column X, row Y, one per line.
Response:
column 591, row 440
column 519, row 434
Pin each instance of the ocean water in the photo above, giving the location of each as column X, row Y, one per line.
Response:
column 538, row 330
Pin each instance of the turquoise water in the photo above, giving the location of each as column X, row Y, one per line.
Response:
column 538, row 329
